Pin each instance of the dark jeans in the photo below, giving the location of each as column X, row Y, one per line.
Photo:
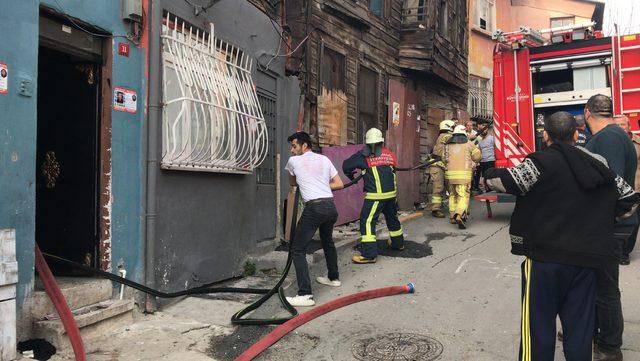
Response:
column 550, row 290
column 322, row 215
column 610, row 322
column 482, row 167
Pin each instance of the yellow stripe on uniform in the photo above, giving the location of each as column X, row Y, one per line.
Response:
column 397, row 233
column 380, row 196
column 368, row 239
column 376, row 176
column 458, row 174
column 526, row 324
column 370, row 219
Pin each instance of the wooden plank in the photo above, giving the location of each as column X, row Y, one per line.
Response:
column 332, row 118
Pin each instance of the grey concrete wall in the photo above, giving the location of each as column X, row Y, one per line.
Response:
column 206, row 222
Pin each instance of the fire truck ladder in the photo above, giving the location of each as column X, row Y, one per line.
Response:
column 527, row 36
column 628, row 63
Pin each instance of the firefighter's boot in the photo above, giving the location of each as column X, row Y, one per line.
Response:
column 362, row 260
column 390, row 246
column 437, row 214
column 461, row 220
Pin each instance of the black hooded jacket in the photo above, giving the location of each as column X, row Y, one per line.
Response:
column 567, row 203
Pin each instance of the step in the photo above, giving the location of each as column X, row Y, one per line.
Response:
column 93, row 321
column 78, row 291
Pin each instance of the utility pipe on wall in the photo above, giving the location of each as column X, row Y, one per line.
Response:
column 151, row 136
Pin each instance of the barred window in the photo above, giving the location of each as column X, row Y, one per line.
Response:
column 211, row 119
column 480, row 97
column 485, row 14
column 266, row 172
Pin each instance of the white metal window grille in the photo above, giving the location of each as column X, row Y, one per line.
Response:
column 211, row 119
column 484, row 15
column 480, row 98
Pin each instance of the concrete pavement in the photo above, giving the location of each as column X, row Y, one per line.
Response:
column 466, row 307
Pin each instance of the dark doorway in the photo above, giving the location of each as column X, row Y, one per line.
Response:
column 367, row 101
column 67, row 155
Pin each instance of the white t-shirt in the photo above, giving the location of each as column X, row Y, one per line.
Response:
column 313, row 173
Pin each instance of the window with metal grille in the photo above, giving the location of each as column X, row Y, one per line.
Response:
column 480, row 97
column 266, row 171
column 484, row 15
column 211, row 119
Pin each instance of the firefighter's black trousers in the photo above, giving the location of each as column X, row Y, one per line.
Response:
column 371, row 209
column 550, row 290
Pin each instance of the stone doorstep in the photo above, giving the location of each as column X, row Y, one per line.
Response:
column 93, row 321
column 78, row 292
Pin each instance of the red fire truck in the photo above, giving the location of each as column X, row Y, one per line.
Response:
column 537, row 73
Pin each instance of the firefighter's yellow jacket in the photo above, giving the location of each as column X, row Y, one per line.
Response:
column 460, row 156
column 438, row 148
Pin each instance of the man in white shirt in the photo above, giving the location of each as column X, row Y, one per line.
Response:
column 316, row 177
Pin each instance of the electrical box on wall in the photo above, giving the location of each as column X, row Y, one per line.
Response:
column 132, row 10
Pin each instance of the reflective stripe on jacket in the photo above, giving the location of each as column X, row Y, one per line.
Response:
column 460, row 159
column 379, row 173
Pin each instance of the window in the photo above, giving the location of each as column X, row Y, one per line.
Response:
column 367, row 101
column 480, row 97
column 377, row 7
column 211, row 117
column 559, row 22
column 266, row 171
column 484, row 15
column 333, row 74
column 413, row 11
column 443, row 19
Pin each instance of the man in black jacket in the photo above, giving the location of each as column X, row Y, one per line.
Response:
column 562, row 223
column 613, row 144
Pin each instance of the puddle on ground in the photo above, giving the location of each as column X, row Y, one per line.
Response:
column 411, row 250
column 437, row 236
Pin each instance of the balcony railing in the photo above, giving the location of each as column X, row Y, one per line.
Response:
column 414, row 12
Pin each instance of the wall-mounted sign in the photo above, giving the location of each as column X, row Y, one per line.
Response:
column 396, row 114
column 123, row 49
column 4, row 78
column 125, row 100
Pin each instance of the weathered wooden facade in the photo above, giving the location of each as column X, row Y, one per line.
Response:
column 348, row 52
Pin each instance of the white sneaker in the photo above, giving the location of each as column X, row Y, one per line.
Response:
column 302, row 301
column 326, row 281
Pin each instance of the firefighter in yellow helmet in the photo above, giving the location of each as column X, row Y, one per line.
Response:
column 377, row 164
column 460, row 156
column 436, row 171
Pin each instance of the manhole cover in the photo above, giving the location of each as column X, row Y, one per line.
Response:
column 396, row 347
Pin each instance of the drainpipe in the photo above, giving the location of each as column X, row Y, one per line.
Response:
column 154, row 114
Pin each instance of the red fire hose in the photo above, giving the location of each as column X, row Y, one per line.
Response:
column 303, row 318
column 58, row 300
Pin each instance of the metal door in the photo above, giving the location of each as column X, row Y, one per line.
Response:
column 403, row 138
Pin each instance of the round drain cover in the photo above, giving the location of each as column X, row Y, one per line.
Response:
column 397, row 346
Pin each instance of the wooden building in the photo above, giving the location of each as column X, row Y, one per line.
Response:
column 400, row 65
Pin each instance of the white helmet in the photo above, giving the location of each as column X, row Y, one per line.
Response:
column 373, row 136
column 460, row 129
column 447, row 125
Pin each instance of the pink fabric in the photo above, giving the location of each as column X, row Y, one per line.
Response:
column 348, row 201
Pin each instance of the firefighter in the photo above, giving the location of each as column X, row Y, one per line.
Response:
column 436, row 171
column 460, row 156
column 378, row 164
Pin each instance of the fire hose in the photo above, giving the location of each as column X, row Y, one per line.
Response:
column 332, row 305
column 288, row 323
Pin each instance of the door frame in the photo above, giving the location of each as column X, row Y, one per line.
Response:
column 104, row 126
